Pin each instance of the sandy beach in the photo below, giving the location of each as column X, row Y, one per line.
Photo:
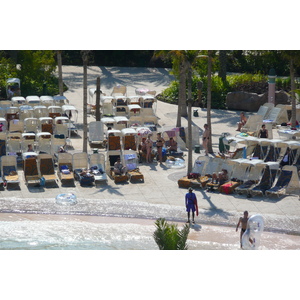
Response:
column 159, row 195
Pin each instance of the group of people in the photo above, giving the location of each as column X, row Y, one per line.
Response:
column 147, row 144
column 263, row 132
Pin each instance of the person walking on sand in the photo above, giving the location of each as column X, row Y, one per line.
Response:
column 242, row 121
column 242, row 221
column 191, row 204
column 205, row 139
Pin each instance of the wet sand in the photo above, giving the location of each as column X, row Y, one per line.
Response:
column 201, row 237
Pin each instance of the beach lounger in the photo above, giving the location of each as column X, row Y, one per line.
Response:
column 253, row 173
column 65, row 168
column 266, row 181
column 46, row 168
column 96, row 134
column 81, row 170
column 131, row 163
column 253, row 124
column 197, row 178
column 119, row 90
column 31, row 172
column 287, row 182
column 97, row 166
column 9, row 170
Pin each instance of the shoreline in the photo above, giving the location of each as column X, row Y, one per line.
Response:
column 201, row 237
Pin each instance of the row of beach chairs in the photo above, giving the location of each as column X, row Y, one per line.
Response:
column 252, row 177
column 39, row 169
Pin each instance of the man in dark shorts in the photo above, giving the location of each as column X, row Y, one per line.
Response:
column 191, row 204
column 244, row 221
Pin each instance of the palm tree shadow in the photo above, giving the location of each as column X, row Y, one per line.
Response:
column 214, row 210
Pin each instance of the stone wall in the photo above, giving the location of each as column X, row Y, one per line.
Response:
column 251, row 101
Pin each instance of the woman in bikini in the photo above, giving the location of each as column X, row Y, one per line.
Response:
column 159, row 144
column 149, row 145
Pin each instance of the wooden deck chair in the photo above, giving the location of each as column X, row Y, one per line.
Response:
column 197, row 177
column 46, row 168
column 31, row 172
column 65, row 168
column 9, row 170
column 114, row 143
column 133, row 171
column 129, row 142
column 284, row 183
column 47, row 128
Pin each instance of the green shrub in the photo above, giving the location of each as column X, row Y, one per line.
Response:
column 253, row 83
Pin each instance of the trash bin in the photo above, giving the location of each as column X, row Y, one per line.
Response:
column 197, row 148
column 222, row 147
column 196, row 113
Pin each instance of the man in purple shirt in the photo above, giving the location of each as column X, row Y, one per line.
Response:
column 191, row 204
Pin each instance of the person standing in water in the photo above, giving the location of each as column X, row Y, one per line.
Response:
column 191, row 204
column 242, row 221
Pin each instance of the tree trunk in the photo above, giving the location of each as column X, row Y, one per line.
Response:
column 85, row 61
column 98, row 115
column 209, row 68
column 182, row 95
column 293, row 87
column 190, row 101
column 223, row 62
column 60, row 78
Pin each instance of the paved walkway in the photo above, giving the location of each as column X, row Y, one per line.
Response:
column 159, row 195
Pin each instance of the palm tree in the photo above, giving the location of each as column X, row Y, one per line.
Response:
column 85, row 58
column 182, row 61
column 294, row 60
column 169, row 237
column 60, row 79
column 209, row 70
column 223, row 63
